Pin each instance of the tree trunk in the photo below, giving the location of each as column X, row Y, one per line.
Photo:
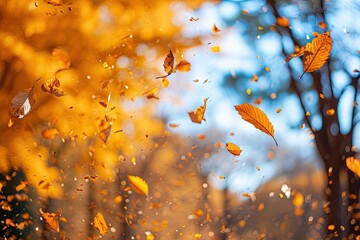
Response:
column 353, row 218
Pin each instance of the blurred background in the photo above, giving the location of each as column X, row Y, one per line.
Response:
column 99, row 113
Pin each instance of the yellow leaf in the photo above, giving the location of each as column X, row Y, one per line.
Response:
column 165, row 83
column 317, row 52
column 257, row 118
column 198, row 115
column 183, row 66
column 353, row 164
column 233, row 149
column 100, row 224
column 248, row 91
column 215, row 48
column 139, row 185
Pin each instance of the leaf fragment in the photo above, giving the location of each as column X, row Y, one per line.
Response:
column 51, row 219
column 233, row 149
column 105, row 127
column 353, row 164
column 298, row 53
column 215, row 48
column 198, row 115
column 100, row 224
column 52, row 86
column 192, row 19
column 183, row 66
column 168, row 64
column 139, row 185
column 215, row 29
column 257, row 118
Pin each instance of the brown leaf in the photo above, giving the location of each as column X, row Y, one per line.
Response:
column 100, row 224
column 52, row 86
column 61, row 58
column 198, row 115
column 257, row 118
column 295, row 54
column 317, row 52
column 105, row 127
column 139, row 185
column 183, row 66
column 233, row 149
column 23, row 102
column 151, row 93
column 168, row 64
column 192, row 19
column 51, row 219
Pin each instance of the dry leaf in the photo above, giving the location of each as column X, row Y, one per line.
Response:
column 51, row 219
column 215, row 48
column 151, row 93
column 49, row 133
column 322, row 25
column 52, row 86
column 353, row 164
column 105, row 127
column 267, row 69
column 183, row 66
column 282, row 21
column 60, row 57
column 257, row 118
column 100, row 224
column 330, row 112
column 215, row 29
column 317, row 52
column 198, row 115
column 23, row 102
column 139, row 185
column 278, row 110
column 254, row 78
column 174, row 125
column 233, row 149
column 192, row 19
column 165, row 83
column 168, row 64
column 54, row 2
column 298, row 53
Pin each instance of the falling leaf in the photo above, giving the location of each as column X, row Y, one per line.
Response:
column 100, row 224
column 23, row 102
column 174, row 125
column 183, row 66
column 248, row 91
column 254, row 78
column 221, row 177
column 322, row 25
column 257, row 118
column 257, row 168
column 317, row 52
column 168, row 64
column 258, row 100
column 330, row 112
column 139, row 185
column 282, row 21
column 105, row 127
column 198, row 115
column 51, row 219
column 49, row 133
column 353, row 164
column 52, row 86
column 192, row 19
column 151, row 93
column 215, row 48
column 54, row 2
column 233, row 149
column 278, row 110
column 165, row 83
column 60, row 57
column 298, row 200
column 267, row 69
column 215, row 29
column 250, row 195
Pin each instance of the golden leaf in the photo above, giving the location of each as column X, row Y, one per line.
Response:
column 215, row 48
column 168, row 64
column 353, row 164
column 317, row 52
column 233, row 149
column 100, row 224
column 257, row 118
column 198, row 115
column 267, row 69
column 183, row 66
column 52, row 86
column 254, row 78
column 105, row 127
column 139, row 185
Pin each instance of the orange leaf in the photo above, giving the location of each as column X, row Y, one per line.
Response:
column 105, row 127
column 353, row 164
column 233, row 149
column 298, row 53
column 139, row 185
column 49, row 133
column 330, row 112
column 51, row 219
column 198, row 115
column 168, row 64
column 322, row 25
column 100, row 224
column 215, row 29
column 282, row 21
column 257, row 118
column 52, row 86
column 183, row 66
column 317, row 52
